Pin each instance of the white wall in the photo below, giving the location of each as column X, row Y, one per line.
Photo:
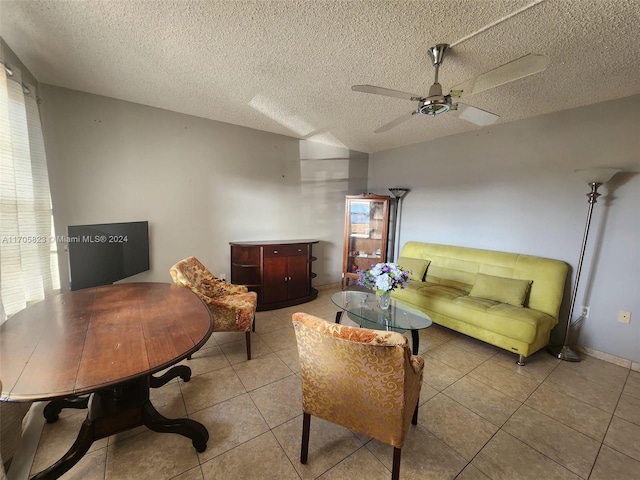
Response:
column 512, row 187
column 199, row 183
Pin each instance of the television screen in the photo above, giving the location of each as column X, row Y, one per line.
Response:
column 105, row 253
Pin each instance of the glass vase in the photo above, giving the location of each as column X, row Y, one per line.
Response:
column 384, row 298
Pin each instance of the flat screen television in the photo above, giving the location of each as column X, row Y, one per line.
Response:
column 105, row 253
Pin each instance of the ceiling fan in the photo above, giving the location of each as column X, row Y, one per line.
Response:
column 436, row 103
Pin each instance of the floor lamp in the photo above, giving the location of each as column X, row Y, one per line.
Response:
column 594, row 177
column 398, row 193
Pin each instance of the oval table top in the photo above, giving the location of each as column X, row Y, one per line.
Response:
column 86, row 340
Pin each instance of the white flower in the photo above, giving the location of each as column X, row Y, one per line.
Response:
column 384, row 282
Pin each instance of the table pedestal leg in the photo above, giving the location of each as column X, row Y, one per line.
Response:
column 54, row 407
column 121, row 408
column 181, row 371
column 182, row 426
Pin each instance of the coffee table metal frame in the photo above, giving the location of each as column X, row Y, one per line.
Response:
column 362, row 308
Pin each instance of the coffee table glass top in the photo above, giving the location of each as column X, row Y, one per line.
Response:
column 363, row 308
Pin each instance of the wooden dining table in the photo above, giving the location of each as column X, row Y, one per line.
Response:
column 98, row 349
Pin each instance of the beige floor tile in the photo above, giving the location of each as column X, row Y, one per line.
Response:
column 279, row 401
column 566, row 446
column 457, row 426
column 472, row 473
column 438, row 374
column 230, row 424
column 427, row 342
column 271, row 323
column 516, row 386
column 490, row 404
column 236, row 352
column 279, row 339
column 570, row 411
column 624, row 437
column 290, row 358
column 263, row 371
column 456, row 357
column 612, row 465
column 329, row 444
column 478, row 347
column 206, row 360
column 537, row 366
column 443, row 333
column 360, row 464
column 193, row 474
column 427, row 392
column 507, row 458
column 150, row 455
column 90, row 467
column 260, row 457
column 596, row 394
column 582, row 396
column 629, row 409
column 598, row 371
column 227, row 337
column 632, row 386
column 424, row 456
column 211, row 388
column 58, row 437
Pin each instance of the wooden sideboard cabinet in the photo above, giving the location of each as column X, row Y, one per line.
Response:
column 278, row 271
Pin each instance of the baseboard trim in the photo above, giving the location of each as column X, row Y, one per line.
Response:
column 607, row 357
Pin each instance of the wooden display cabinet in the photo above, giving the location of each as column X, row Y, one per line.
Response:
column 278, row 271
column 366, row 228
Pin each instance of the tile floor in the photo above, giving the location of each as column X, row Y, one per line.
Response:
column 481, row 417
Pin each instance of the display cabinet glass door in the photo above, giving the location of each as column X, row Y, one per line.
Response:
column 366, row 229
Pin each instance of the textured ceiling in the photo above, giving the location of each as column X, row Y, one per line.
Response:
column 288, row 66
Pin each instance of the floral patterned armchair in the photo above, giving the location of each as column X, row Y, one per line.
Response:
column 365, row 380
column 233, row 306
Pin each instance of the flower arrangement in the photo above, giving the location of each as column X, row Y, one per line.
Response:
column 384, row 277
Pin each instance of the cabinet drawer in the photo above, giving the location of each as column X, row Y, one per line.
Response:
column 286, row 250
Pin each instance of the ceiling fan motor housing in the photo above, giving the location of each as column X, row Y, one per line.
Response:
column 435, row 103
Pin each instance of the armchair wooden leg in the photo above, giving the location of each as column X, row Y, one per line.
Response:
column 395, row 472
column 414, row 420
column 248, row 337
column 253, row 324
column 304, row 448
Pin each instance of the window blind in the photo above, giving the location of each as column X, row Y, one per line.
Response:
column 28, row 257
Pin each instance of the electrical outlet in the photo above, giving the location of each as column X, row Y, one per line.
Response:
column 624, row 316
column 585, row 311
column 223, row 276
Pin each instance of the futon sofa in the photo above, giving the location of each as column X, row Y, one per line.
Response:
column 505, row 299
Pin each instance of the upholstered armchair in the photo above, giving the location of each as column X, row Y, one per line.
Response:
column 365, row 380
column 233, row 306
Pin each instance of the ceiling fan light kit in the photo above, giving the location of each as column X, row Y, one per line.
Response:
column 436, row 103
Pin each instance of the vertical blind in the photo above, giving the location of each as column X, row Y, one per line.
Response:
column 28, row 258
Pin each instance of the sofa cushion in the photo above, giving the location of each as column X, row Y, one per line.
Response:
column 514, row 322
column 417, row 267
column 503, row 290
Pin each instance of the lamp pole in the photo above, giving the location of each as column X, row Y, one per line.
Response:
column 597, row 177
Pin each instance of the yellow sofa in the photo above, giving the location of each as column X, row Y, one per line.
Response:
column 505, row 299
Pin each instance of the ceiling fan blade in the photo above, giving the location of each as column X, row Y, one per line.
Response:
column 473, row 114
column 386, row 92
column 519, row 68
column 394, row 123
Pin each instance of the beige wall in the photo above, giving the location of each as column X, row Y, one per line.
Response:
column 512, row 187
column 199, row 183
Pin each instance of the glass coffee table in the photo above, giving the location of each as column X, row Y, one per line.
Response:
column 362, row 308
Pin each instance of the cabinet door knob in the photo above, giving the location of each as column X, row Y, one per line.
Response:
column 275, row 251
